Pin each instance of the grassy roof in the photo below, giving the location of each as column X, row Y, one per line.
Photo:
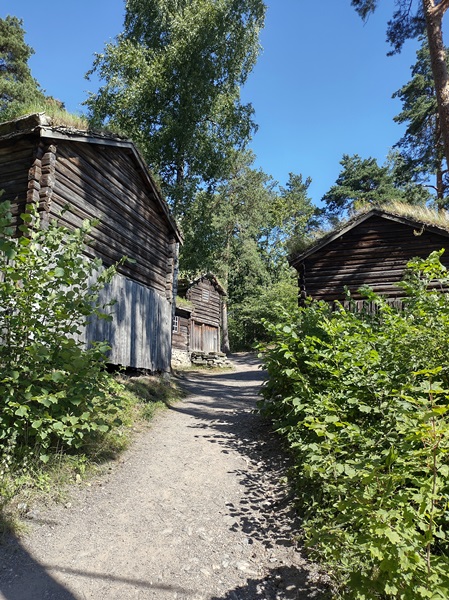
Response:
column 57, row 116
column 422, row 215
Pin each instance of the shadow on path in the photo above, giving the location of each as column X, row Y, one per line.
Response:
column 34, row 581
column 15, row 585
column 286, row 583
column 223, row 406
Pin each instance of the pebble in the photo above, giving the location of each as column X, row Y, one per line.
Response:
column 242, row 566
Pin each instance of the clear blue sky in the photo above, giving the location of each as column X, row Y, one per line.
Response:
column 322, row 86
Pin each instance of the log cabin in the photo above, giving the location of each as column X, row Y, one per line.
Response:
column 75, row 175
column 181, row 334
column 371, row 249
column 198, row 321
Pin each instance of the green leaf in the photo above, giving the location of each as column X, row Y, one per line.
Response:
column 22, row 411
column 58, row 376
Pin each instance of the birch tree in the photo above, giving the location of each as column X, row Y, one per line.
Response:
column 171, row 81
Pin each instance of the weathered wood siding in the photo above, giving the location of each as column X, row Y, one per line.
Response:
column 206, row 302
column 181, row 337
column 140, row 330
column 206, row 316
column 16, row 158
column 204, row 338
column 373, row 253
column 74, row 180
column 101, row 183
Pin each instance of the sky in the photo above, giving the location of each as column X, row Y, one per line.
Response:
column 322, row 86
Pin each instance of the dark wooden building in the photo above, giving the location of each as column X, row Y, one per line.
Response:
column 103, row 178
column 372, row 249
column 181, row 335
column 197, row 330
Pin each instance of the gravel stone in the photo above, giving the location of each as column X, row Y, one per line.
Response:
column 192, row 511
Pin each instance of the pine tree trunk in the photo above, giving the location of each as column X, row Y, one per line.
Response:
column 434, row 15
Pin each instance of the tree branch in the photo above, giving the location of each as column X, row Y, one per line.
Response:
column 440, row 8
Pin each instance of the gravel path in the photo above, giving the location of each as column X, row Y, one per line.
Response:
column 195, row 510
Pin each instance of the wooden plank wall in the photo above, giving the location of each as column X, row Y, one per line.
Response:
column 205, row 311
column 99, row 182
column 205, row 338
column 374, row 253
column 181, row 338
column 140, row 331
column 206, row 316
column 102, row 183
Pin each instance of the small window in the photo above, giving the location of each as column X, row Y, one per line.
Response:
column 205, row 296
column 176, row 325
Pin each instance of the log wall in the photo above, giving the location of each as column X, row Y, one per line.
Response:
column 181, row 337
column 16, row 158
column 206, row 316
column 206, row 302
column 101, row 183
column 373, row 253
column 74, row 181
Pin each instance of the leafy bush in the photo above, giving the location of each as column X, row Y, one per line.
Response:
column 246, row 318
column 53, row 392
column 363, row 400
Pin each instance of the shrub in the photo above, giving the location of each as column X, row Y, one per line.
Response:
column 363, row 400
column 53, row 391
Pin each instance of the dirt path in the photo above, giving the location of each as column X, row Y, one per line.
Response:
column 195, row 511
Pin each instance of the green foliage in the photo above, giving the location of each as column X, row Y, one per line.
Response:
column 408, row 20
column 422, row 145
column 363, row 401
column 363, row 182
column 26, row 480
column 54, row 394
column 242, row 233
column 172, row 83
column 265, row 303
column 17, row 86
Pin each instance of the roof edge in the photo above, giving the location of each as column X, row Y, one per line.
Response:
column 41, row 124
column 357, row 220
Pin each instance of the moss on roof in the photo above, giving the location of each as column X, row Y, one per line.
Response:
column 422, row 215
column 56, row 116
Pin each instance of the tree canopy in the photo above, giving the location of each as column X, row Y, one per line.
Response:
column 172, row 82
column 242, row 231
column 17, row 86
column 412, row 18
column 422, row 144
column 363, row 181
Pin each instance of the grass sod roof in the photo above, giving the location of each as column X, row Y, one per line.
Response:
column 419, row 217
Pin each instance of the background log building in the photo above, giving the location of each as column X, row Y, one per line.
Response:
column 372, row 249
column 198, row 323
column 102, row 177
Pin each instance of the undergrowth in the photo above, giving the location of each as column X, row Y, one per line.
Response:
column 27, row 482
column 363, row 401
